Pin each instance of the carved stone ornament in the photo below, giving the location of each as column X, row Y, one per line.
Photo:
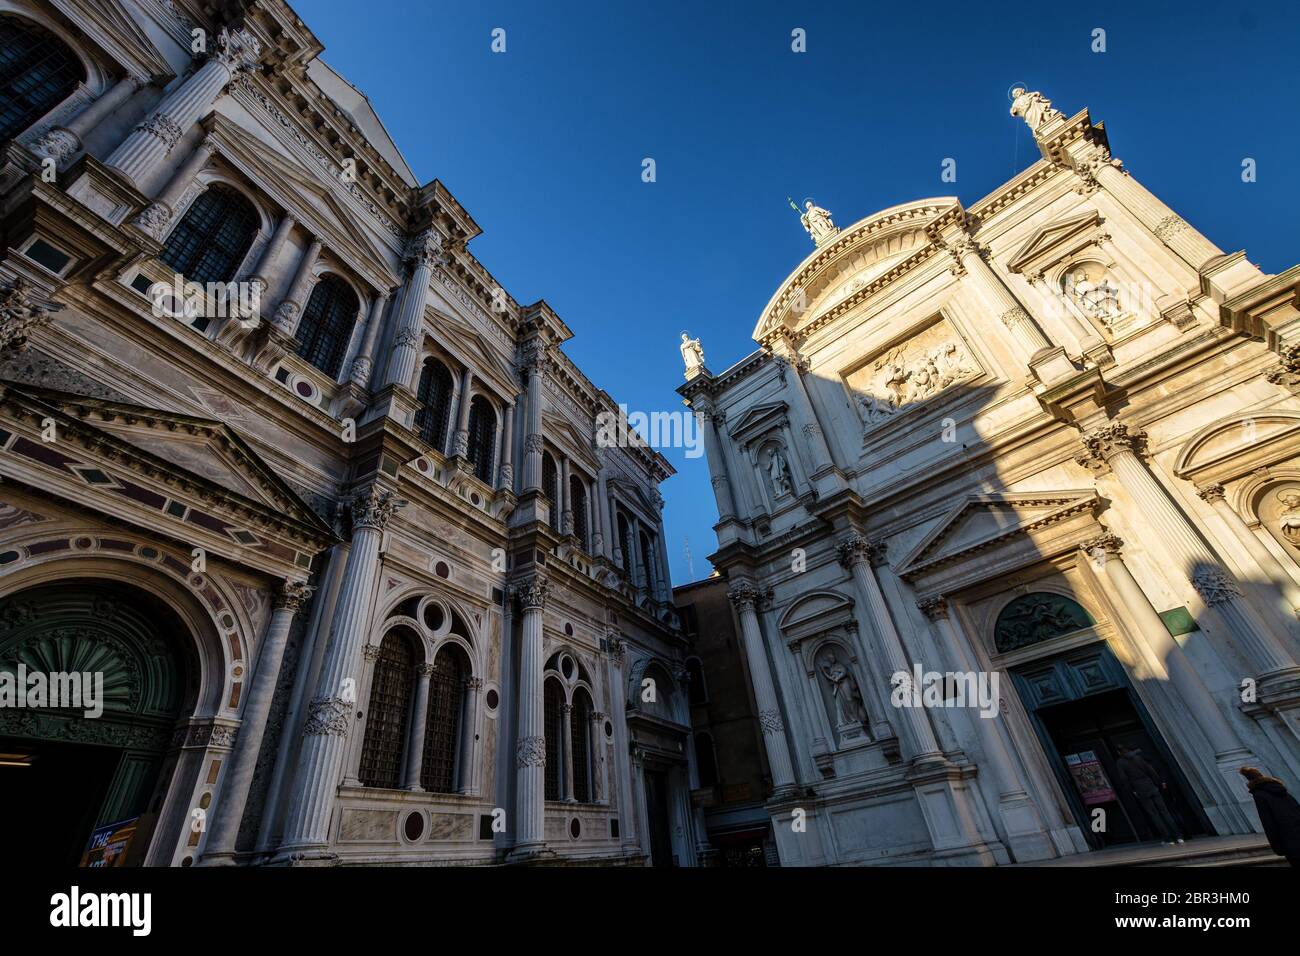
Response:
column 1215, row 586
column 293, row 595
column 911, row 373
column 1099, row 548
column 1104, row 443
column 934, row 608
column 57, row 144
column 770, row 721
column 1288, row 521
column 327, row 716
column 426, row 250
column 857, row 549
column 284, row 316
column 532, row 592
column 1211, row 493
column 1288, row 370
column 237, row 50
column 162, row 127
column 534, row 444
column 21, row 313
column 1169, row 227
column 372, row 508
column 154, row 219
column 743, row 595
column 531, row 752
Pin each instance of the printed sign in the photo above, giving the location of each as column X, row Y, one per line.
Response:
column 1090, row 778
column 108, row 844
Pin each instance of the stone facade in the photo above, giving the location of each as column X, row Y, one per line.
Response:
column 420, row 606
column 1052, row 438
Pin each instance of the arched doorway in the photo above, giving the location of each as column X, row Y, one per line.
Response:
column 68, row 771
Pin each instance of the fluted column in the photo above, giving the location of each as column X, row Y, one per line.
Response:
column 1022, row 825
column 600, row 516
column 566, row 724
column 423, row 253
column 530, row 758
column 506, row 466
column 1024, row 329
column 151, row 141
column 289, row 311
column 534, row 363
column 468, row 779
column 1114, row 444
column 460, row 444
column 61, row 143
column 1192, row 247
column 596, row 736
column 261, row 278
column 804, row 416
column 415, row 743
column 364, row 363
column 858, row 555
column 1259, row 552
column 224, row 829
column 622, row 770
column 565, row 503
column 709, row 417
column 155, row 219
column 744, row 596
column 331, row 711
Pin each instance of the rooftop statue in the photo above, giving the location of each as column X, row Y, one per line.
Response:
column 1034, row 107
column 692, row 355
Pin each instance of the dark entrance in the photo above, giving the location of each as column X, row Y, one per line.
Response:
column 656, row 800
column 64, row 774
column 1084, row 710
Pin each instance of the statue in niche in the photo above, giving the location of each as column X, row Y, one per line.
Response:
column 692, row 355
column 1034, row 107
column 1097, row 295
column 778, row 472
column 849, row 707
column 1288, row 522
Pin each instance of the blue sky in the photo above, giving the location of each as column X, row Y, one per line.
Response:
column 544, row 143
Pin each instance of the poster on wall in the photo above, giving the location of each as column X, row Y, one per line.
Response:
column 108, row 844
column 1090, row 778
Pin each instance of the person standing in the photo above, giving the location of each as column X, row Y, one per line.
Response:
column 1145, row 783
column 1279, row 813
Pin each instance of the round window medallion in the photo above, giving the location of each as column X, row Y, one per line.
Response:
column 493, row 698
column 566, row 667
column 414, row 826
column 304, row 389
column 575, row 828
column 568, row 629
column 434, row 617
column 442, row 569
column 475, row 498
column 609, row 729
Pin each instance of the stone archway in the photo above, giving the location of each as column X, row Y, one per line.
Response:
column 91, row 748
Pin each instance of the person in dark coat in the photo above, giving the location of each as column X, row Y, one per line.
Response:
column 1145, row 783
column 1278, row 812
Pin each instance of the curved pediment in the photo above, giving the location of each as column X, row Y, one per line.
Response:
column 1238, row 444
column 816, row 612
column 860, row 258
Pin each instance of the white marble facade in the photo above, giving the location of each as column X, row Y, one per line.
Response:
column 1053, row 435
column 425, row 603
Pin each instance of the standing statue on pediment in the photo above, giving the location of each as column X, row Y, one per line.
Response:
column 816, row 221
column 1034, row 107
column 692, row 355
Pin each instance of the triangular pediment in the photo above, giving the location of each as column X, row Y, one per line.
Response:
column 464, row 342
column 201, row 451
column 981, row 521
column 565, row 434
column 757, row 419
column 633, row 494
column 1050, row 240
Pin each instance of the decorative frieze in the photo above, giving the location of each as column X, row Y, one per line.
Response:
column 911, row 373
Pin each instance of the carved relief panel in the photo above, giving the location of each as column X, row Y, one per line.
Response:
column 908, row 374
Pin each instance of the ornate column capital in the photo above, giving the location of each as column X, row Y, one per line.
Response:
column 533, row 357
column 328, row 717
column 1215, row 586
column 1211, row 493
column 1114, row 438
column 237, row 50
column 162, row 127
column 770, row 721
column 22, row 312
column 935, row 608
column 1101, row 545
column 424, row 669
column 532, row 592
column 370, row 653
column 372, row 508
column 473, row 685
column 744, row 596
column 293, row 595
column 425, row 250
column 855, row 548
column 616, row 648
column 531, row 752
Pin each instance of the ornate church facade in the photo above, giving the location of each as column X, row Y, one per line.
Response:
column 1004, row 491
column 319, row 500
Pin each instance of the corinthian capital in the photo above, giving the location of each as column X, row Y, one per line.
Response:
column 935, row 608
column 293, row 595
column 426, row 250
column 532, row 592
column 237, row 49
column 857, row 549
column 744, row 596
column 1211, row 493
column 1104, row 443
column 22, row 311
column 373, row 507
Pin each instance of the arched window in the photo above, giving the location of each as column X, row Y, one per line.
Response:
column 37, row 72
column 551, row 488
column 625, row 542
column 580, row 734
column 482, row 438
column 388, row 713
column 442, row 727
column 578, row 498
column 553, row 720
column 434, row 394
column 326, row 324
column 1032, row 618
column 706, row 762
column 211, row 240
column 699, row 693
